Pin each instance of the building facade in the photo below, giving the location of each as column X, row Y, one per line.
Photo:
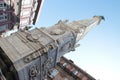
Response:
column 67, row 70
column 6, row 16
column 17, row 14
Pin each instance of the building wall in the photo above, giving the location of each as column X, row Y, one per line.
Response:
column 18, row 13
column 6, row 16
column 67, row 70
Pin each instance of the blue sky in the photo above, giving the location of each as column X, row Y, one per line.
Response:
column 99, row 53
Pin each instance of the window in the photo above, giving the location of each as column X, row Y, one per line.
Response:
column 26, row 2
column 1, row 14
column 1, row 18
column 65, row 64
column 5, row 4
column 26, row 12
column 53, row 73
column 5, row 17
column 1, row 4
column 75, row 72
